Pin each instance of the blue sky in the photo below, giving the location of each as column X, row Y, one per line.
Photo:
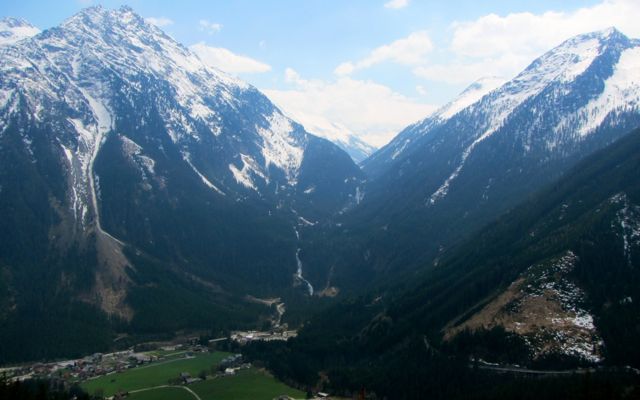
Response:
column 370, row 67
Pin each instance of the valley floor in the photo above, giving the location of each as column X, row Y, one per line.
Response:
column 171, row 372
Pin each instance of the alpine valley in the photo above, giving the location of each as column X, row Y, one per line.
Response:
column 144, row 193
column 136, row 179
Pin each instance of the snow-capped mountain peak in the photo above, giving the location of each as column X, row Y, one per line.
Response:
column 13, row 30
column 553, row 108
column 557, row 74
column 126, row 118
column 92, row 48
column 100, row 60
column 561, row 65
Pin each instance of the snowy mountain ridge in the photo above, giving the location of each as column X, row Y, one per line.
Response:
column 554, row 71
column 121, row 43
column 13, row 30
column 598, row 71
column 405, row 139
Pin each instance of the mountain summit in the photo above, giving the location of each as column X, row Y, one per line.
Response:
column 127, row 166
column 447, row 175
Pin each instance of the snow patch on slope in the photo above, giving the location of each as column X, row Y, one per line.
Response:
column 279, row 148
column 134, row 151
column 187, row 158
column 621, row 93
column 244, row 176
column 75, row 202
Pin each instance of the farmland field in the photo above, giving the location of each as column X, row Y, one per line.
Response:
column 167, row 393
column 248, row 384
column 155, row 374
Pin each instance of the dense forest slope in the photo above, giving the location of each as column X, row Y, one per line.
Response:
column 574, row 247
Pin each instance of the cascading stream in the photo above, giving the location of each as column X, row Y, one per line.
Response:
column 299, row 277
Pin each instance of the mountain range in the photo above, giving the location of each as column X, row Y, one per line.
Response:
column 143, row 192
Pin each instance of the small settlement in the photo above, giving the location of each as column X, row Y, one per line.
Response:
column 243, row 337
column 95, row 365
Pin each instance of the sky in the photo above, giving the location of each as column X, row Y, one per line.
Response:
column 370, row 67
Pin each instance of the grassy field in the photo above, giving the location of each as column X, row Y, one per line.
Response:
column 168, row 393
column 248, row 384
column 154, row 374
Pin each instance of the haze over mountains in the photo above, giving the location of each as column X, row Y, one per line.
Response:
column 143, row 192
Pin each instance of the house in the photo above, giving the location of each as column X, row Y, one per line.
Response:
column 140, row 358
column 232, row 361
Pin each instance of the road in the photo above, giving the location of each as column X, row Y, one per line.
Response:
column 520, row 370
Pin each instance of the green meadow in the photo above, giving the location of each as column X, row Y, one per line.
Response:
column 143, row 382
column 249, row 384
column 155, row 374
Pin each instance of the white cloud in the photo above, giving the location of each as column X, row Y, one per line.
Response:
column 374, row 112
column 396, row 4
column 422, row 91
column 407, row 51
column 159, row 21
column 209, row 27
column 228, row 61
column 463, row 72
column 504, row 45
column 493, row 35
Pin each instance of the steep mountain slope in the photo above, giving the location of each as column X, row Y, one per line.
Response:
column 450, row 174
column 134, row 180
column 13, row 30
column 380, row 161
column 552, row 283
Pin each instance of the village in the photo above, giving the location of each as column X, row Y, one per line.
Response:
column 110, row 367
column 100, row 364
column 91, row 370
